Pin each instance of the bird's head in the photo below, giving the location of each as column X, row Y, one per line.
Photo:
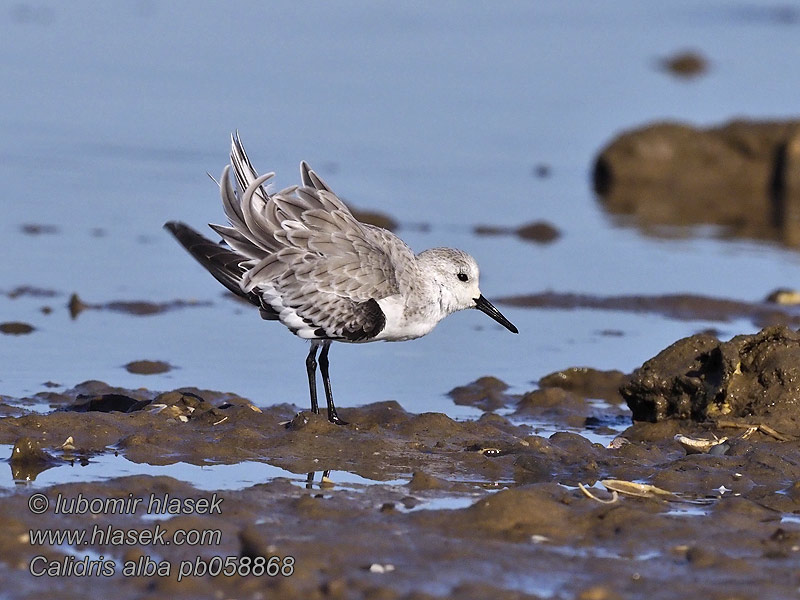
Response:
column 457, row 275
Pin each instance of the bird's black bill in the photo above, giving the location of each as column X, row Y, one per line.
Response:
column 483, row 305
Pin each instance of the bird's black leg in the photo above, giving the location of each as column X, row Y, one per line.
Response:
column 311, row 368
column 326, row 381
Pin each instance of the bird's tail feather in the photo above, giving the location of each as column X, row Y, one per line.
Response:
column 221, row 262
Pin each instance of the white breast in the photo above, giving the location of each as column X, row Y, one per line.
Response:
column 402, row 324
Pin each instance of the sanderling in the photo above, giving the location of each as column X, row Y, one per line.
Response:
column 303, row 259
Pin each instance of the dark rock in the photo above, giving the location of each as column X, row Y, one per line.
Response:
column 486, row 393
column 684, row 307
column 541, row 170
column 107, row 403
column 587, row 382
column 252, row 543
column 553, row 405
column 687, row 64
column 422, row 481
column 520, row 512
column 32, row 291
column 28, row 459
column 539, row 231
column 148, row 367
column 753, row 377
column 27, row 451
column 15, row 328
column 137, row 308
column 742, row 175
column 38, row 229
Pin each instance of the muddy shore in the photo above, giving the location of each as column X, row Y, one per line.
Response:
column 681, row 502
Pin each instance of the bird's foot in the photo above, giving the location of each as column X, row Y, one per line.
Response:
column 334, row 418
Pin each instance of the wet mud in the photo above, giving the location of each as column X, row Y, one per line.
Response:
column 776, row 310
column 741, row 176
column 38, row 229
column 31, row 291
column 16, row 328
column 76, row 305
column 541, row 170
column 139, row 308
column 445, row 509
column 687, row 64
column 540, row 232
column 148, row 367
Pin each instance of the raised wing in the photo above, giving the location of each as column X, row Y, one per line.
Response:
column 317, row 266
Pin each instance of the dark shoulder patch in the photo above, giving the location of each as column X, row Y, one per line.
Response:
column 372, row 322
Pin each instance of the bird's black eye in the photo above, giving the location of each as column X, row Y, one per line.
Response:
column 463, row 277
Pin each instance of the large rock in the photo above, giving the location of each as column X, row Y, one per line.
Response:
column 751, row 377
column 744, row 175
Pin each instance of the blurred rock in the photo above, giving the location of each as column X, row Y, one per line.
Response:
column 687, row 64
column 376, row 218
column 540, row 232
column 148, row 367
column 744, row 176
column 15, row 328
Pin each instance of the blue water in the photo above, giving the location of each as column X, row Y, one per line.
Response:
column 112, row 113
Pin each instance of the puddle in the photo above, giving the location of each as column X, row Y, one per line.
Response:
column 343, row 479
column 699, row 509
column 204, row 477
column 600, row 553
column 84, row 551
column 790, row 518
column 544, row 429
column 35, row 404
column 108, row 466
column 602, row 421
column 444, row 503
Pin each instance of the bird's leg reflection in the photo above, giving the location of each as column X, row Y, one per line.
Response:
column 325, row 480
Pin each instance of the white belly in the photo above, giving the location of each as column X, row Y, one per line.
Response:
column 402, row 324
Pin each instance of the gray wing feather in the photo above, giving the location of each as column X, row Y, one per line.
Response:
column 239, row 242
column 328, row 315
column 311, row 179
column 307, row 252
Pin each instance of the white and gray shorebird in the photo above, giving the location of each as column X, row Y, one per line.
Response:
column 303, row 259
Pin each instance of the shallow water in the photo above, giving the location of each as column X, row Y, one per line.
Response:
column 105, row 466
column 449, row 141
column 402, row 112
